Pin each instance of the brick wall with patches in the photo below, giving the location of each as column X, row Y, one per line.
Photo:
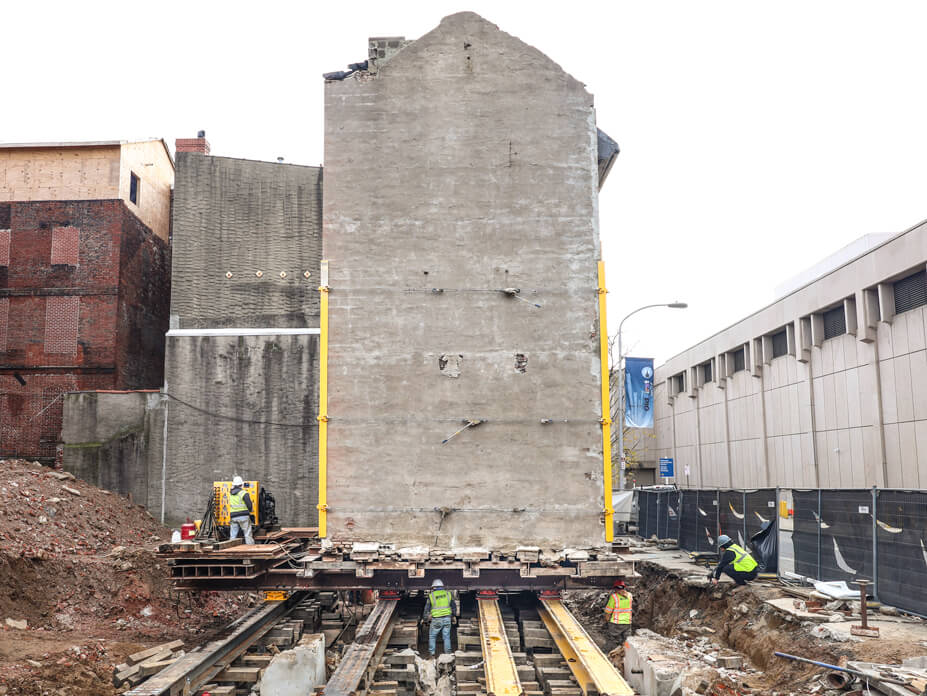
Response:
column 84, row 295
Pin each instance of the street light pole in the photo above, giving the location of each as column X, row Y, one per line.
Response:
column 621, row 388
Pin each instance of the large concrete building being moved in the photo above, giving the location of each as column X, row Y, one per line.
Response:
column 825, row 387
column 463, row 292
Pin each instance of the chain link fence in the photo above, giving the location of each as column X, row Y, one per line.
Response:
column 879, row 535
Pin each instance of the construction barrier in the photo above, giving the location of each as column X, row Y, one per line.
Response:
column 879, row 535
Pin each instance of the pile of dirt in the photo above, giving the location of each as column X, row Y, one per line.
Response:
column 77, row 565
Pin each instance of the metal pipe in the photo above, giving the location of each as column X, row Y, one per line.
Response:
column 875, row 545
column 164, row 400
column 838, row 680
column 861, row 675
column 323, row 402
column 607, row 412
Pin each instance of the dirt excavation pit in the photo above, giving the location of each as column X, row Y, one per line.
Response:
column 690, row 637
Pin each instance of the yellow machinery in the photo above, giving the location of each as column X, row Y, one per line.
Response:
column 221, row 490
column 216, row 521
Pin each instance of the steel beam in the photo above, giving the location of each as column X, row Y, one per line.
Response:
column 193, row 670
column 595, row 666
column 583, row 678
column 293, row 579
column 358, row 664
column 499, row 665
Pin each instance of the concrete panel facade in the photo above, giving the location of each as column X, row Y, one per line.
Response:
column 466, row 165
column 242, row 353
column 837, row 408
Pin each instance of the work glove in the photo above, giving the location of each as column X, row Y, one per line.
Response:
column 454, row 620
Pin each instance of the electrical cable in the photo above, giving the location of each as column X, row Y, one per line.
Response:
column 238, row 419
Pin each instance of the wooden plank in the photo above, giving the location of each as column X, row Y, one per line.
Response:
column 256, row 660
column 146, row 669
column 143, row 655
column 218, row 545
column 124, row 674
column 239, row 674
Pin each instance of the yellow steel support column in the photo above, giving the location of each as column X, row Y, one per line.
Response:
column 606, row 411
column 323, row 402
column 498, row 663
column 595, row 666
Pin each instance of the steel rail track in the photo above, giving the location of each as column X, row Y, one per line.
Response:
column 588, row 664
column 358, row 663
column 196, row 669
column 498, row 662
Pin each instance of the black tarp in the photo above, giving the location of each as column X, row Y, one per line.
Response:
column 688, row 524
column 901, row 533
column 669, row 516
column 731, row 515
column 846, row 535
column 760, row 509
column 765, row 547
column 707, row 525
column 805, row 532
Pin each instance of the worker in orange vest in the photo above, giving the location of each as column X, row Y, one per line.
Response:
column 618, row 611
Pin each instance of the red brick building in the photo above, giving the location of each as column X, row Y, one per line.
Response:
column 84, row 279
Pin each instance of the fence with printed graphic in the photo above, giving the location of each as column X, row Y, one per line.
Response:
column 874, row 534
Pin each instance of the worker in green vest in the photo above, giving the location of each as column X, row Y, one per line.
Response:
column 440, row 609
column 240, row 509
column 735, row 562
column 618, row 611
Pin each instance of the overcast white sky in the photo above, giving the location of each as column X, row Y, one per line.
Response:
column 756, row 138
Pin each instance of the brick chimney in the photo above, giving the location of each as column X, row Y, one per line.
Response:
column 198, row 144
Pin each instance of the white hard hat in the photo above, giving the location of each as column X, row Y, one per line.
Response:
column 437, row 582
column 237, row 481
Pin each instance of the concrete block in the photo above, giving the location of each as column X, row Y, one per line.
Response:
column 651, row 664
column 298, row 671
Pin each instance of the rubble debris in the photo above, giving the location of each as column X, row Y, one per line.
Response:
column 84, row 575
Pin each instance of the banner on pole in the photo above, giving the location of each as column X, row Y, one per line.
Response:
column 638, row 392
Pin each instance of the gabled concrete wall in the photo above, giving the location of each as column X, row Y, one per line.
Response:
column 466, row 165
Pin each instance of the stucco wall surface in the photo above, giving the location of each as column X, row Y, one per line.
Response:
column 467, row 165
column 241, row 217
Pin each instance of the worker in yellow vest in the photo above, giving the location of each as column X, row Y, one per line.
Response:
column 735, row 562
column 240, row 509
column 440, row 609
column 618, row 611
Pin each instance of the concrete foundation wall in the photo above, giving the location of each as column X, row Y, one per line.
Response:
column 467, row 165
column 846, row 411
column 113, row 440
column 241, row 405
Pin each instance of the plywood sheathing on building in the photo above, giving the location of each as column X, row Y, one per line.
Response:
column 467, row 165
column 92, row 171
